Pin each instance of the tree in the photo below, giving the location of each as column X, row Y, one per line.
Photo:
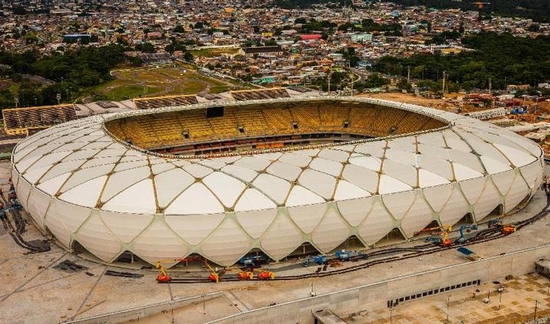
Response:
column 146, row 47
column 19, row 10
column 179, row 29
column 188, row 57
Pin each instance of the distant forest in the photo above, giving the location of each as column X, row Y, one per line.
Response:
column 538, row 10
column 497, row 59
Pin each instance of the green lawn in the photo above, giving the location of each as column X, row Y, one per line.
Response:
column 151, row 82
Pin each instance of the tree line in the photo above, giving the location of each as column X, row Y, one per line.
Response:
column 495, row 60
column 63, row 74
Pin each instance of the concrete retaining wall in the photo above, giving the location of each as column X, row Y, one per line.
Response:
column 376, row 295
column 135, row 314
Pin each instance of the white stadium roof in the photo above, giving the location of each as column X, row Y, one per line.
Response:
column 84, row 185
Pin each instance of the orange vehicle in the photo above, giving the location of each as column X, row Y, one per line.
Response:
column 245, row 275
column 265, row 275
column 508, row 229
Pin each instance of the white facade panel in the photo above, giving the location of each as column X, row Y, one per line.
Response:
column 96, row 238
column 455, row 142
column 126, row 227
column 301, row 196
column 368, row 162
column 516, row 156
column 196, row 170
column 362, row 178
column 354, row 211
column 161, row 167
column 503, row 181
column 346, row 190
column 296, row 159
column 406, row 158
column 226, row 188
column 196, row 199
column 286, row 171
column 139, row 198
column 54, row 223
column 433, row 139
column 398, row 203
column 390, row 185
column 256, row 222
column 307, row 217
column 281, row 238
column 331, row 232
column 334, row 155
column 226, row 244
column 240, row 173
column 273, row 187
column 193, row 229
column 170, row 184
column 73, row 216
column 438, row 196
column 401, row 172
column 375, row 149
column 455, row 208
column 532, row 174
column 468, row 160
column 158, row 242
column 463, row 173
column 429, row 179
column 377, row 225
column 406, row 144
column 438, row 166
column 37, row 205
column 473, row 188
column 417, row 217
column 120, row 181
column 52, row 186
column 518, row 191
column 319, row 183
column 86, row 194
column 253, row 163
column 487, row 202
column 83, row 175
column 326, row 166
column 252, row 199
column 493, row 166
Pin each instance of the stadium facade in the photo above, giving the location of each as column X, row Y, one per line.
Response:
column 84, row 184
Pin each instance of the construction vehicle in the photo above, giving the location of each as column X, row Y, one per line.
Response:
column 265, row 275
column 494, row 222
column 466, row 228
column 214, row 276
column 344, row 255
column 504, row 228
column 443, row 238
column 428, row 229
column 508, row 229
column 245, row 275
column 319, row 259
column 253, row 260
column 163, row 277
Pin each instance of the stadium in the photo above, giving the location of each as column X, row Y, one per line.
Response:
column 282, row 177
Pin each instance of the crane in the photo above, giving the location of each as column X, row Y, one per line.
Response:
column 443, row 238
column 164, row 277
column 214, row 277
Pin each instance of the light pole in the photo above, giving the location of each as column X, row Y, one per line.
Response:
column 328, row 81
column 536, row 304
column 448, row 300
